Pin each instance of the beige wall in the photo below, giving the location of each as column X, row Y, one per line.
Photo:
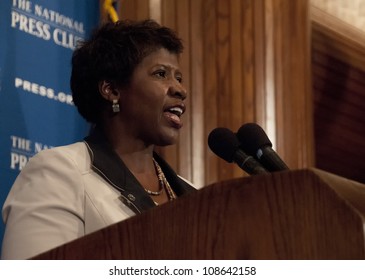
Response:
column 352, row 12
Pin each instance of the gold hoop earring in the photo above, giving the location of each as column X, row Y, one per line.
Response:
column 115, row 106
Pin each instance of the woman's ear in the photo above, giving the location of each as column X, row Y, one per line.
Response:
column 108, row 91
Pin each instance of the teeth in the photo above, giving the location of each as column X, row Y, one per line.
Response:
column 176, row 110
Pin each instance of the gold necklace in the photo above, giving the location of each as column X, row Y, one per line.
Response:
column 160, row 181
column 161, row 178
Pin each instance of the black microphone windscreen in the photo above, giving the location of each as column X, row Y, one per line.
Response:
column 224, row 143
column 252, row 138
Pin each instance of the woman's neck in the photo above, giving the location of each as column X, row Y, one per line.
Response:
column 136, row 155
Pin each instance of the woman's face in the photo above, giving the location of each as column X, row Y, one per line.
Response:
column 152, row 105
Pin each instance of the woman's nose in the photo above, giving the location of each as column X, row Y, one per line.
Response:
column 178, row 91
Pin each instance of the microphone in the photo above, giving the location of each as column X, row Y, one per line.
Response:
column 224, row 143
column 255, row 142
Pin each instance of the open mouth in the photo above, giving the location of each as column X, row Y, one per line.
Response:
column 173, row 114
column 176, row 111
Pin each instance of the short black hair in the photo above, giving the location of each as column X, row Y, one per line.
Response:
column 112, row 53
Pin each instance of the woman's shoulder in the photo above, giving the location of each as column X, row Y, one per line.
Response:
column 77, row 153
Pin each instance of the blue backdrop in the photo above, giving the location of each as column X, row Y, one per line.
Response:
column 36, row 110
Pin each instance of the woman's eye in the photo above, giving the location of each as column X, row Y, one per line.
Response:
column 161, row 74
column 179, row 79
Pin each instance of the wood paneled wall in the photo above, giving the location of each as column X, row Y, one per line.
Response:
column 338, row 69
column 244, row 61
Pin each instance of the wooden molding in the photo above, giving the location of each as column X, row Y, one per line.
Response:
column 349, row 41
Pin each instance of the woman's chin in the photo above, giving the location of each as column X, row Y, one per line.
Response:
column 169, row 138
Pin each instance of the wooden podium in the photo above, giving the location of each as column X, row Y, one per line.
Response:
column 301, row 214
